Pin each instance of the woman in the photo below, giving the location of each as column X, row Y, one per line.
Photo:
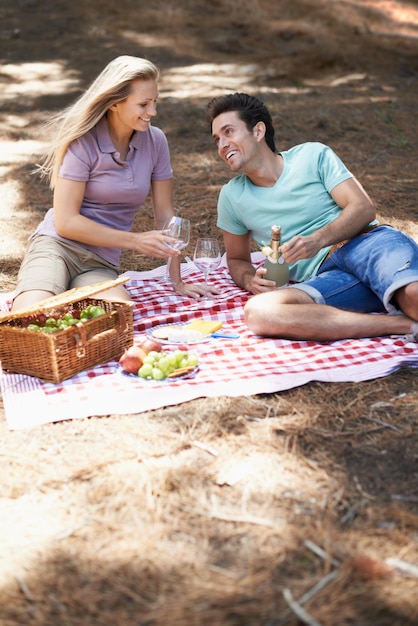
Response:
column 104, row 159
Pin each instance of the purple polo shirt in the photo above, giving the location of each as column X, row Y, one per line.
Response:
column 115, row 189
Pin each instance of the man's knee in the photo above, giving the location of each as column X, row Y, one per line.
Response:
column 254, row 315
column 268, row 314
column 261, row 310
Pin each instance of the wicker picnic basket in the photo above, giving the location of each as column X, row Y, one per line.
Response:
column 57, row 356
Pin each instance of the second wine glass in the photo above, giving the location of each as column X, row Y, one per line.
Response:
column 179, row 229
column 207, row 257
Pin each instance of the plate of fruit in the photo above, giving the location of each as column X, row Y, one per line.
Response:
column 148, row 361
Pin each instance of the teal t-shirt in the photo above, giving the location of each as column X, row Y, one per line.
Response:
column 300, row 201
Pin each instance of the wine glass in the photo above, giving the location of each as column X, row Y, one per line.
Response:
column 207, row 257
column 178, row 228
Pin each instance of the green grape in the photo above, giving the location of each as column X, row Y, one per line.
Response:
column 149, row 359
column 34, row 327
column 157, row 374
column 145, row 371
column 192, row 359
column 96, row 311
column 179, row 357
column 164, row 363
column 172, row 361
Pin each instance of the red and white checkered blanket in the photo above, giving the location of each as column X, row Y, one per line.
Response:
column 227, row 367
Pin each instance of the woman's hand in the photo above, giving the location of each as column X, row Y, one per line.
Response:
column 155, row 244
column 195, row 290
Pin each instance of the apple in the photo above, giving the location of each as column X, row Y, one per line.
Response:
column 150, row 345
column 132, row 359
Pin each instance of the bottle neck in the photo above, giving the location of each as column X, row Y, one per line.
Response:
column 274, row 245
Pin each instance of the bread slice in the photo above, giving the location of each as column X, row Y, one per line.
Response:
column 164, row 331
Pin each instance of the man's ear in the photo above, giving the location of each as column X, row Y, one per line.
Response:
column 259, row 131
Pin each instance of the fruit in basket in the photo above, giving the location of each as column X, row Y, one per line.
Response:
column 40, row 322
column 132, row 359
column 91, row 311
column 34, row 327
column 35, row 319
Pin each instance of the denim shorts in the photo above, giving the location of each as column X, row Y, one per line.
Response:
column 55, row 265
column 364, row 274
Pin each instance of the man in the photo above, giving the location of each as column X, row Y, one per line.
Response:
column 318, row 203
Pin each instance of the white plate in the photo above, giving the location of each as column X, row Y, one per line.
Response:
column 171, row 342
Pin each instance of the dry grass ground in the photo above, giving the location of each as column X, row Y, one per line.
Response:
column 217, row 512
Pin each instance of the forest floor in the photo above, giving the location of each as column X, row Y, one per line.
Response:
column 122, row 520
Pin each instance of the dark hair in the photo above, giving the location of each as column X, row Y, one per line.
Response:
column 250, row 110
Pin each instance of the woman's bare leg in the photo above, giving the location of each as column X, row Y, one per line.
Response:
column 28, row 298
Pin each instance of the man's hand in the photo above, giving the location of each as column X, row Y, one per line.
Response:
column 300, row 247
column 259, row 284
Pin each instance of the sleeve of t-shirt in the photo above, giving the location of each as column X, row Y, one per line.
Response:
column 76, row 164
column 332, row 170
column 228, row 219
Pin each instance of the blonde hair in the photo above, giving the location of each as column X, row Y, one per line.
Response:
column 111, row 86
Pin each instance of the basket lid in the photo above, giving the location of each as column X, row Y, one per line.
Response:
column 66, row 297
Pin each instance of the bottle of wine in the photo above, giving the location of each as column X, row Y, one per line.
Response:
column 276, row 266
